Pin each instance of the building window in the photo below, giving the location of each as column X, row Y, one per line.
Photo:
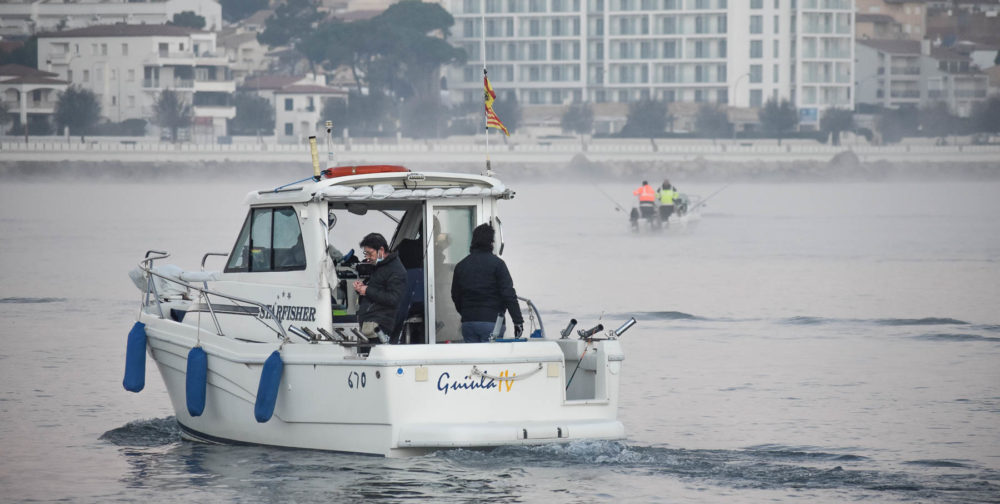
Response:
column 104, row 49
column 756, row 97
column 124, row 49
column 670, row 25
column 756, row 4
column 756, row 24
column 756, row 74
column 114, row 101
column 723, row 25
column 131, row 101
column 86, row 76
column 776, row 52
column 756, row 49
column 289, row 129
column 776, row 74
column 130, row 76
column 777, row 24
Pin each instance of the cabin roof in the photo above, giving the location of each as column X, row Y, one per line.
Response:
column 393, row 186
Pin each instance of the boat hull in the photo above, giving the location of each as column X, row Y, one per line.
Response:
column 399, row 400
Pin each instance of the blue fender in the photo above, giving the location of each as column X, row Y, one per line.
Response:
column 135, row 359
column 197, row 380
column 267, row 391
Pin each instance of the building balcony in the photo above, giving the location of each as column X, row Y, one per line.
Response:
column 970, row 93
column 33, row 107
column 914, row 71
column 217, row 86
column 59, row 58
column 183, row 84
column 225, row 112
column 906, row 93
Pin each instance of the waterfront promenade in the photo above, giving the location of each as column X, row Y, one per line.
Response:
column 472, row 150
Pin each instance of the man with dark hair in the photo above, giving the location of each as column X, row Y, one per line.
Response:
column 482, row 289
column 382, row 292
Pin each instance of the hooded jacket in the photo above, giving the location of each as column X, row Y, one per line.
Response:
column 482, row 289
column 385, row 291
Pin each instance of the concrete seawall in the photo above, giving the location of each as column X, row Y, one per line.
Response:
column 598, row 159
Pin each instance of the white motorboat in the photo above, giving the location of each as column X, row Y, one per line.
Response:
column 266, row 351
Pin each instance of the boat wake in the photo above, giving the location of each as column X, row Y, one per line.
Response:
column 145, row 433
column 760, row 467
column 763, row 467
column 30, row 300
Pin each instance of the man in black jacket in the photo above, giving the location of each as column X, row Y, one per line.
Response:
column 382, row 292
column 482, row 289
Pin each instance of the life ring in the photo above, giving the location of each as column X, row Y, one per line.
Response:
column 341, row 171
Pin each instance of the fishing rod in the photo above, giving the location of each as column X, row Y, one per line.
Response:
column 710, row 196
column 617, row 206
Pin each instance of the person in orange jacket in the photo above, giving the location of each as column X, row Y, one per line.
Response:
column 647, row 199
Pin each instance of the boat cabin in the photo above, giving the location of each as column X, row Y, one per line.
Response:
column 298, row 251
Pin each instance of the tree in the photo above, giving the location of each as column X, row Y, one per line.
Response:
column 778, row 118
column 78, row 109
column 26, row 55
column 895, row 124
column 5, row 117
column 188, row 19
column 254, row 115
column 987, row 116
column 171, row 112
column 578, row 118
column 422, row 118
column 646, row 118
column 834, row 121
column 712, row 122
column 508, row 110
column 936, row 120
column 236, row 10
column 291, row 21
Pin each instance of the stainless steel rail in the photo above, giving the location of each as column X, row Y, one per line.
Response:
column 146, row 265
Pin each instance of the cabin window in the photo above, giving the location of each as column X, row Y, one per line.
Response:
column 271, row 240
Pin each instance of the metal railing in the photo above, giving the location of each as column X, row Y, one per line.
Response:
column 146, row 265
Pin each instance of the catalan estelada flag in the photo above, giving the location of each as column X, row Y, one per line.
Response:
column 489, row 96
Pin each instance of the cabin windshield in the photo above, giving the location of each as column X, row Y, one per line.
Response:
column 271, row 240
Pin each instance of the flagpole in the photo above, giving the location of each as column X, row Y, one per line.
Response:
column 486, row 118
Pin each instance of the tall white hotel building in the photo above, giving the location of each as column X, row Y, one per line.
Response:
column 736, row 52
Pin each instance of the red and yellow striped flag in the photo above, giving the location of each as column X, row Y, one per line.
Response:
column 489, row 96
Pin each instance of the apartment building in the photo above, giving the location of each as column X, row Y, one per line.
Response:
column 912, row 73
column 27, row 17
column 900, row 18
column 128, row 66
column 739, row 53
column 298, row 103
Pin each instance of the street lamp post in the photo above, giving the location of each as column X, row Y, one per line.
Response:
column 732, row 101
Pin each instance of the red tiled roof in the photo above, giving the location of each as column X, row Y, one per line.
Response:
column 14, row 69
column 270, row 82
column 34, row 79
column 124, row 30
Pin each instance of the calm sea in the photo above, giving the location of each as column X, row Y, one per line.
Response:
column 820, row 342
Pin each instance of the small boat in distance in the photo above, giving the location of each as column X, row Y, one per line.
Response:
column 267, row 350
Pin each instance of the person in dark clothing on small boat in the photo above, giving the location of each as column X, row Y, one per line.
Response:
column 482, row 290
column 382, row 292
